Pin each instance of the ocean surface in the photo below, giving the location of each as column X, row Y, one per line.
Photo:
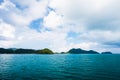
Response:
column 59, row 67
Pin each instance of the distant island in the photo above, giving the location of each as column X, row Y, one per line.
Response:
column 106, row 53
column 25, row 51
column 81, row 51
column 47, row 51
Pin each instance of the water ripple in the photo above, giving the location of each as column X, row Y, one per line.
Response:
column 59, row 67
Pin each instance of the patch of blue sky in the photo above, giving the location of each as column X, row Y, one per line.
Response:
column 1, row 1
column 20, row 7
column 113, row 44
column 37, row 24
column 73, row 34
column 73, row 37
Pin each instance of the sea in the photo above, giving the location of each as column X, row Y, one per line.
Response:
column 59, row 67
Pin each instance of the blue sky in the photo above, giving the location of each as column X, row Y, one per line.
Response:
column 60, row 24
column 36, row 24
column 1, row 1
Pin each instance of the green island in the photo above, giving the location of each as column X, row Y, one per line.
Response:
column 48, row 51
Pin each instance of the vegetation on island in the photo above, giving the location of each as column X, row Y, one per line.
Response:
column 45, row 51
column 48, row 51
column 106, row 53
column 81, row 51
column 25, row 51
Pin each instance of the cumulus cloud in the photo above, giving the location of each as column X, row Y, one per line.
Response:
column 53, row 20
column 95, row 24
column 6, row 30
column 96, row 21
column 11, row 11
column 6, row 34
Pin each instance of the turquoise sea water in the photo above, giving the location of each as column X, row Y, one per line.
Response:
column 59, row 67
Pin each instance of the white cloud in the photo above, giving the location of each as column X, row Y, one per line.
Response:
column 6, row 44
column 101, row 36
column 53, row 20
column 6, row 5
column 95, row 22
column 60, row 6
column 7, row 34
column 36, row 10
column 6, row 30
column 22, row 17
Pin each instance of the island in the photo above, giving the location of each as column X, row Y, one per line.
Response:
column 25, row 51
column 106, row 53
column 45, row 51
column 48, row 51
column 81, row 51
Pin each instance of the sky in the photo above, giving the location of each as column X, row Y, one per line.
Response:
column 60, row 24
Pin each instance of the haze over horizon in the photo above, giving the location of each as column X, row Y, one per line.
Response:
column 60, row 24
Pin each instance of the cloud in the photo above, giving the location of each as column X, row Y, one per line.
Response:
column 95, row 24
column 6, row 30
column 96, row 14
column 94, row 20
column 6, row 34
column 53, row 20
column 33, row 10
